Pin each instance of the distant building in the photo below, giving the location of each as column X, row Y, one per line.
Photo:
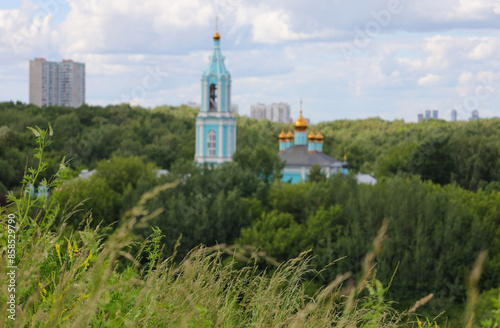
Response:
column 194, row 105
column 86, row 174
column 434, row 114
column 475, row 115
column 427, row 114
column 40, row 192
column 161, row 172
column 366, row 179
column 57, row 83
column 275, row 112
column 235, row 109
column 258, row 111
column 301, row 150
column 454, row 115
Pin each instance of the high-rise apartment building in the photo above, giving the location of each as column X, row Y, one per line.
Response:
column 475, row 115
column 454, row 115
column 275, row 112
column 235, row 109
column 258, row 111
column 434, row 114
column 57, row 83
column 427, row 114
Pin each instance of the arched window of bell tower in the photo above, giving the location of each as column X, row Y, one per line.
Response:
column 213, row 98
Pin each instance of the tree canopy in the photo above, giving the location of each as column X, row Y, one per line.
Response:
column 438, row 187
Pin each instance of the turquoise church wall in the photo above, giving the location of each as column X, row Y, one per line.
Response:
column 216, row 90
column 300, row 138
column 293, row 178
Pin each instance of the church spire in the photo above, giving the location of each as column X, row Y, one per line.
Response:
column 216, row 34
column 216, row 79
column 301, row 124
column 215, row 124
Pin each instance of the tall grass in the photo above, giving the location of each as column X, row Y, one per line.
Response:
column 76, row 279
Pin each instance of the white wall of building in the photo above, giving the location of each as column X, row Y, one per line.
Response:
column 279, row 112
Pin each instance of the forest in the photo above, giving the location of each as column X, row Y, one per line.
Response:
column 438, row 195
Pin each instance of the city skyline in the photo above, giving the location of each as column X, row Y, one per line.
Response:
column 351, row 60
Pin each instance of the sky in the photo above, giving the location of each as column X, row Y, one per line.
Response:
column 355, row 59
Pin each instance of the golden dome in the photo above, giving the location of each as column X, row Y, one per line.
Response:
column 319, row 136
column 282, row 134
column 289, row 135
column 216, row 35
column 311, row 136
column 300, row 124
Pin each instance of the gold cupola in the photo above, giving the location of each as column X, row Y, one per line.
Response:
column 216, row 35
column 289, row 135
column 311, row 136
column 301, row 124
column 319, row 136
column 282, row 135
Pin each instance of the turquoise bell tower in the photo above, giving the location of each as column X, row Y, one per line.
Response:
column 215, row 123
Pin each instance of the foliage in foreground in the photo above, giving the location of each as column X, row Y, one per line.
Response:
column 78, row 280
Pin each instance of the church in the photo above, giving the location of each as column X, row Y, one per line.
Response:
column 216, row 129
column 300, row 151
column 215, row 123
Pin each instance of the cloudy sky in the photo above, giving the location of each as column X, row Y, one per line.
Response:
column 345, row 59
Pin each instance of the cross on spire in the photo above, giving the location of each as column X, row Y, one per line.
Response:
column 216, row 34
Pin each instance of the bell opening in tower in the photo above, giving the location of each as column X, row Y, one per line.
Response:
column 213, row 98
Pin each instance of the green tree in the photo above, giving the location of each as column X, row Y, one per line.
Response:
column 316, row 174
column 260, row 160
column 209, row 205
column 432, row 160
column 277, row 234
column 121, row 173
column 92, row 195
column 110, row 191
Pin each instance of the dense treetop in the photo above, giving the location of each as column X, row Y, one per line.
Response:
column 467, row 153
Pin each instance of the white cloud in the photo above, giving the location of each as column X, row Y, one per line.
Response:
column 487, row 47
column 273, row 27
column 477, row 9
column 429, row 80
column 23, row 29
column 466, row 81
